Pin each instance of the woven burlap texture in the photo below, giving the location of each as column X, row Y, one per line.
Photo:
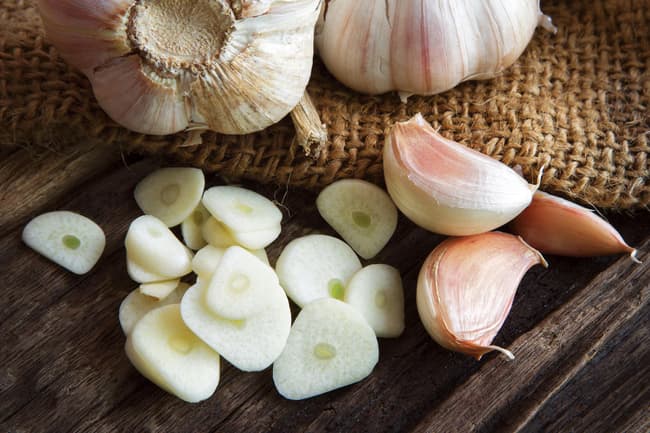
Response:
column 576, row 103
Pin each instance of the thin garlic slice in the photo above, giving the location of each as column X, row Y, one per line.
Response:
column 257, row 239
column 136, row 305
column 316, row 266
column 150, row 244
column 376, row 292
column 192, row 228
column 140, row 274
column 160, row 289
column 554, row 225
column 170, row 194
column 240, row 209
column 361, row 212
column 446, row 187
column 466, row 287
column 67, row 238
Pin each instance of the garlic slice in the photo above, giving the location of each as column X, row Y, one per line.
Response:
column 158, row 66
column 446, row 187
column 554, row 225
column 466, row 287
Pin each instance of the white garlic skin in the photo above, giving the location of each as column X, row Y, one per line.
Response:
column 448, row 188
column 162, row 66
column 423, row 47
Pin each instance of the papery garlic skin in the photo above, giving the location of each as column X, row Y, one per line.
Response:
column 554, row 225
column 423, row 46
column 466, row 287
column 161, row 66
column 446, row 187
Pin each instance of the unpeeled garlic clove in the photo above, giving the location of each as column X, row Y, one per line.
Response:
column 466, row 288
column 446, row 187
column 554, row 225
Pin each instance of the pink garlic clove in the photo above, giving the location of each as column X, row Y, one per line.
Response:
column 554, row 225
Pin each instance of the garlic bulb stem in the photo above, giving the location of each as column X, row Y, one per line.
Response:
column 311, row 134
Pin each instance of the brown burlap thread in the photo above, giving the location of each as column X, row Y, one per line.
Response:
column 577, row 102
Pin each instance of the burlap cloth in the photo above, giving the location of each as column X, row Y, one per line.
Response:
column 577, row 102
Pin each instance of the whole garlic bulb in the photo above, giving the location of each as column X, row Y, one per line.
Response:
column 423, row 47
column 161, row 66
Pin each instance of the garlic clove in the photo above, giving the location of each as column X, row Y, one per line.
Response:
column 466, row 287
column 554, row 225
column 145, row 103
column 446, row 187
column 262, row 72
column 87, row 33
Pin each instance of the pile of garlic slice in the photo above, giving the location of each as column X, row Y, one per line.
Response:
column 237, row 307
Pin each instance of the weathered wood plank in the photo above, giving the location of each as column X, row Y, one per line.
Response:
column 30, row 182
column 611, row 393
column 70, row 373
column 504, row 396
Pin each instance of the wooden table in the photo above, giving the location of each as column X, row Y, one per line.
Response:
column 579, row 330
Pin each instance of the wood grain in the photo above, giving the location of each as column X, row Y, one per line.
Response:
column 64, row 370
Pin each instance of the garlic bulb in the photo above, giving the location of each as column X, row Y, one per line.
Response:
column 161, row 66
column 557, row 226
column 423, row 46
column 446, row 187
column 466, row 288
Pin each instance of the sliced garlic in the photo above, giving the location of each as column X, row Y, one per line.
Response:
column 170, row 194
column 257, row 239
column 251, row 344
column 160, row 66
column 316, row 266
column 192, row 228
column 330, row 346
column 165, row 351
column 554, row 225
column 136, row 305
column 376, row 292
column 446, row 187
column 217, row 234
column 240, row 285
column 466, row 287
column 361, row 212
column 150, row 244
column 138, row 273
column 159, row 289
column 66, row 238
column 240, row 209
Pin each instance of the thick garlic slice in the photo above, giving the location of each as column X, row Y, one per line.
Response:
column 170, row 194
column 159, row 289
column 446, row 187
column 192, row 228
column 151, row 245
column 67, row 238
column 163, row 349
column 466, row 287
column 554, row 225
column 423, row 46
column 159, row 66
